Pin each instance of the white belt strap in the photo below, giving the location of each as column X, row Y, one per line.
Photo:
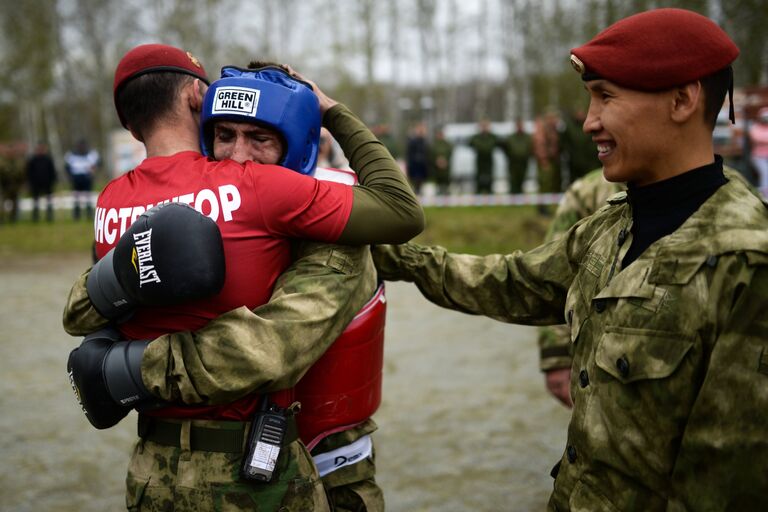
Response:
column 329, row 462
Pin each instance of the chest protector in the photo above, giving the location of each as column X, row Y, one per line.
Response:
column 343, row 388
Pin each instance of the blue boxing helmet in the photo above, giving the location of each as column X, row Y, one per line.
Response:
column 270, row 97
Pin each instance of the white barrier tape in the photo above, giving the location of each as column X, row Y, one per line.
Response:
column 448, row 201
column 489, row 199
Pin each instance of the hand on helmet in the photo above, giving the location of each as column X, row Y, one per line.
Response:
column 325, row 101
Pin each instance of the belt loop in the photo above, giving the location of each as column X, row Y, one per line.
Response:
column 246, row 436
column 142, row 426
column 184, row 440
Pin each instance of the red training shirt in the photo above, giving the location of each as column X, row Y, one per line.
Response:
column 257, row 208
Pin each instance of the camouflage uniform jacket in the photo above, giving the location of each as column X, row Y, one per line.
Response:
column 483, row 143
column 670, row 355
column 583, row 198
column 440, row 161
column 518, row 147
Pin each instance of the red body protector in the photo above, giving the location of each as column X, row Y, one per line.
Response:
column 343, row 388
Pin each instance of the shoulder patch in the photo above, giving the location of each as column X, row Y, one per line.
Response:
column 677, row 264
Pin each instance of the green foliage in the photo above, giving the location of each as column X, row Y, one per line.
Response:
column 745, row 21
column 8, row 123
column 29, row 40
column 59, row 56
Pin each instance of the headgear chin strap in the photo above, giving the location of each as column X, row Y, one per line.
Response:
column 269, row 97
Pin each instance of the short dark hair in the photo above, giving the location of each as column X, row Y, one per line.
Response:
column 147, row 98
column 715, row 87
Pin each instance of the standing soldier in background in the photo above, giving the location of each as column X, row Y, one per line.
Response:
column 546, row 148
column 417, row 156
column 41, row 176
column 383, row 132
column 583, row 198
column 12, row 178
column 517, row 148
column 81, row 165
column 578, row 148
column 483, row 142
column 440, row 161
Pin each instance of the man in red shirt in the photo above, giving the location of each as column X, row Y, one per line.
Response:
column 256, row 207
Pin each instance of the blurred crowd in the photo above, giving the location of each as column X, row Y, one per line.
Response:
column 544, row 155
column 32, row 171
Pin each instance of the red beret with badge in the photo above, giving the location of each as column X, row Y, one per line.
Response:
column 656, row 50
column 149, row 58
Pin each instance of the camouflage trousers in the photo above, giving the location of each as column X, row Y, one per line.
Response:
column 167, row 478
column 352, row 488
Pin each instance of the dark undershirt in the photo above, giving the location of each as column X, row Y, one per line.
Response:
column 660, row 208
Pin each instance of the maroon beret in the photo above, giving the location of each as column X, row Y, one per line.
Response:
column 149, row 58
column 656, row 50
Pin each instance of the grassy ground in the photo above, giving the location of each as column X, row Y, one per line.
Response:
column 484, row 229
column 478, row 230
column 62, row 236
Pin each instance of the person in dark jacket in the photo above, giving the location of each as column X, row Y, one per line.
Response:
column 417, row 156
column 41, row 176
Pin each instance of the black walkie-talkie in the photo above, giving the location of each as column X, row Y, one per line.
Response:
column 264, row 441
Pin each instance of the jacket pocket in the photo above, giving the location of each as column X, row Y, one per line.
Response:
column 135, row 488
column 631, row 355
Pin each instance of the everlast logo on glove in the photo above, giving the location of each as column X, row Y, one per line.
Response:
column 236, row 100
column 77, row 391
column 142, row 258
column 173, row 240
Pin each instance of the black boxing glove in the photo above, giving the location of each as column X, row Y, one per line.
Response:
column 105, row 373
column 171, row 254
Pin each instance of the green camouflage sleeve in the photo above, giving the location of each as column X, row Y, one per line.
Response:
column 525, row 288
column 80, row 318
column 266, row 349
column 721, row 462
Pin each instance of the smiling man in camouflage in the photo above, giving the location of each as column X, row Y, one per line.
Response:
column 664, row 289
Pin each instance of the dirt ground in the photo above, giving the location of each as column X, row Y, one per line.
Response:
column 465, row 424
